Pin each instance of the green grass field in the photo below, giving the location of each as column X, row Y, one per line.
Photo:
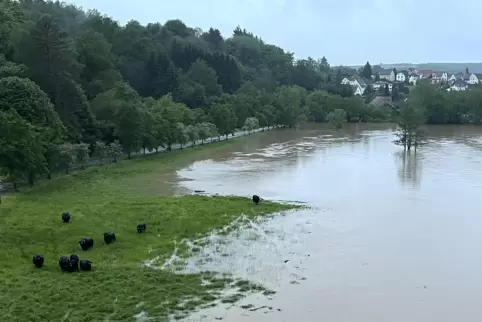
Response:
column 100, row 199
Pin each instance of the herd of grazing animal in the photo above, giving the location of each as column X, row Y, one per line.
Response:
column 74, row 263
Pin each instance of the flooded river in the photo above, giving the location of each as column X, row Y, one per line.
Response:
column 390, row 238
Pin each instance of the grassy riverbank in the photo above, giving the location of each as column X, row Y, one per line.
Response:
column 102, row 199
column 93, row 161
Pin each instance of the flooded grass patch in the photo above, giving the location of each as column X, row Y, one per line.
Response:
column 120, row 287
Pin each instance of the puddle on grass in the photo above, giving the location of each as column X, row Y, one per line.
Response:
column 260, row 255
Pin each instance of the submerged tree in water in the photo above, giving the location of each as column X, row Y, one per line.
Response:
column 410, row 121
column 336, row 118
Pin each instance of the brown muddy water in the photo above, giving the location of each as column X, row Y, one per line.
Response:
column 390, row 237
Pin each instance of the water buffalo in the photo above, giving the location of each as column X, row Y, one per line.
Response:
column 109, row 237
column 38, row 260
column 65, row 264
column 66, row 217
column 256, row 199
column 86, row 243
column 74, row 263
column 141, row 228
column 85, row 265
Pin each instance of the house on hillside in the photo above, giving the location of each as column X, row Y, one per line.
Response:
column 358, row 90
column 385, row 74
column 425, row 74
column 458, row 86
column 402, row 76
column 357, row 83
column 444, row 77
column 412, row 71
column 412, row 79
column 471, row 79
column 393, row 75
column 439, row 76
column 354, row 80
column 381, row 84
column 456, row 76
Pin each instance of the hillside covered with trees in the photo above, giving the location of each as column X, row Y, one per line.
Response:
column 76, row 84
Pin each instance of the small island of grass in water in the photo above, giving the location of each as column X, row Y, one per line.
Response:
column 119, row 286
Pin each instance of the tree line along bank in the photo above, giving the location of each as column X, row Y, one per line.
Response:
column 75, row 84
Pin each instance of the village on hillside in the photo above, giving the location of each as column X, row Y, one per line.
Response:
column 375, row 83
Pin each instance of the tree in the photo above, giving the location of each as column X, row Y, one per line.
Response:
column 82, row 153
column 318, row 107
column 288, row 103
column 386, row 91
column 49, row 52
column 98, row 74
column 149, row 134
column 68, row 155
column 128, row 120
column 21, row 154
column 223, row 117
column 337, row 117
column 9, row 69
column 367, row 71
column 204, row 130
column 323, row 65
column 213, row 130
column 32, row 104
column 395, row 93
column 251, row 124
column 11, row 17
column 183, row 135
column 193, row 134
column 214, row 38
column 114, row 150
column 173, row 113
column 368, row 91
column 410, row 120
column 201, row 73
column 100, row 151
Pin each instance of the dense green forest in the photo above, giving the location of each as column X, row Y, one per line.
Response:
column 76, row 84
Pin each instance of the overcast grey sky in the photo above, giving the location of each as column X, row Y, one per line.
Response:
column 345, row 31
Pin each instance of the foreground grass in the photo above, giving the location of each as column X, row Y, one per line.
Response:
column 105, row 199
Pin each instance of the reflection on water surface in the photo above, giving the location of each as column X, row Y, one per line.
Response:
column 391, row 237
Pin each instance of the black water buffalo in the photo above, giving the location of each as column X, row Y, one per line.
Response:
column 66, row 217
column 38, row 260
column 74, row 262
column 141, row 228
column 86, row 243
column 85, row 265
column 109, row 237
column 256, row 199
column 65, row 264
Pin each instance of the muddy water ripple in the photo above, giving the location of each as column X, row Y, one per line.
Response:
column 390, row 237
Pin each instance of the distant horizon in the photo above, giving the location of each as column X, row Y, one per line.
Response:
column 430, row 62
